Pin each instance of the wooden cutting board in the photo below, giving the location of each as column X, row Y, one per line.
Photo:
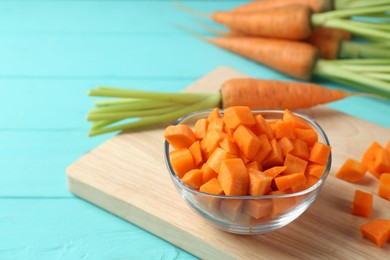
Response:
column 127, row 176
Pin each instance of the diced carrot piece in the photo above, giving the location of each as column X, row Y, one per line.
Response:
column 238, row 115
column 308, row 135
column 283, row 129
column 179, row 136
column 200, row 128
column 229, row 131
column 193, row 178
column 384, row 186
column 243, row 158
column 264, row 150
column 216, row 158
column 294, row 164
column 248, row 143
column 301, row 149
column 275, row 171
column 381, row 163
column 297, row 122
column 351, row 171
column 262, row 127
column 212, row 187
column 252, row 165
column 216, row 124
column 300, row 187
column 259, row 183
column 281, row 205
column 315, row 170
column 234, row 177
column 368, row 158
column 211, row 142
column 286, row 145
column 214, row 114
column 181, row 161
column 311, row 180
column 378, row 231
column 196, row 153
column 287, row 181
column 229, row 146
column 274, row 157
column 362, row 204
column 258, row 208
column 208, row 173
column 320, row 153
column 232, row 208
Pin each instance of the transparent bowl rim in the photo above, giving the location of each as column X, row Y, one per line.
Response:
column 308, row 119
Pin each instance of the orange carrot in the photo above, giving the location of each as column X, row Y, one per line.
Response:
column 274, row 157
column 212, row 187
column 378, row 231
column 296, row 59
column 208, row 173
column 253, row 165
column 264, row 150
column 287, row 181
column 315, row 170
column 276, row 94
column 275, row 171
column 384, row 186
column 248, row 143
column 238, row 115
column 282, row 129
column 216, row 158
column 317, row 6
column 216, row 124
column 368, row 157
column 319, row 153
column 308, row 135
column 233, row 177
column 232, row 208
column 351, row 171
column 259, row 183
column 294, row 164
column 381, row 163
column 193, row 178
column 179, row 136
column 362, row 204
column 262, row 126
column 286, row 145
column 296, row 121
column 182, row 161
column 200, row 128
column 270, row 22
column 229, row 146
column 211, row 141
column 258, row 208
column 301, row 149
column 214, row 114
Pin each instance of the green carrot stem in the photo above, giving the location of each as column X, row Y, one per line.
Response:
column 362, row 61
column 352, row 49
column 112, row 102
column 358, row 3
column 183, row 98
column 135, row 105
column 375, row 86
column 366, row 68
column 213, row 100
column 382, row 76
column 102, row 123
column 130, row 114
column 376, row 26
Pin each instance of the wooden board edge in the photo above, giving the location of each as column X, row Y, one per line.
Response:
column 166, row 231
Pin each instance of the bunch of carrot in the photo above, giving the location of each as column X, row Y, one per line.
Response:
column 376, row 160
column 298, row 37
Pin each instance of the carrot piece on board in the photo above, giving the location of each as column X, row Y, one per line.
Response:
column 262, row 127
column 294, row 164
column 238, row 115
column 351, row 171
column 368, row 157
column 275, row 171
column 200, row 128
column 381, row 163
column 229, row 146
column 212, row 187
column 274, row 157
column 286, row 145
column 232, row 208
column 308, row 135
column 362, row 204
column 234, row 177
column 258, row 208
column 196, row 153
column 248, row 143
column 179, row 136
column 378, row 231
column 296, row 121
column 270, row 22
column 193, row 178
column 216, row 124
column 264, row 150
column 214, row 114
column 315, row 170
column 384, row 186
column 319, row 153
column 283, row 129
column 301, row 149
column 216, row 158
column 208, row 173
column 181, row 161
column 259, row 183
column 287, row 181
column 317, row 6
column 272, row 93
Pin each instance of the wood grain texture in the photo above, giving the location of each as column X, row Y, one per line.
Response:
column 127, row 176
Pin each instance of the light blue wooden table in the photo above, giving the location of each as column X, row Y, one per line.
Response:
column 51, row 53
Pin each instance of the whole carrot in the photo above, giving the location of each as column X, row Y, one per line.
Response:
column 317, row 6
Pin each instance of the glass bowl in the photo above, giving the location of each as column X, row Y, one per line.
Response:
column 272, row 211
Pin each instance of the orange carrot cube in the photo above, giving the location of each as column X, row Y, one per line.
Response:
column 287, row 181
column 248, row 143
column 275, row 171
column 308, row 135
column 262, row 127
column 181, row 161
column 179, row 136
column 286, row 145
column 283, row 129
column 196, row 153
column 294, row 164
column 274, row 157
column 232, row 208
column 200, row 128
column 362, row 204
column 193, row 178
column 378, row 231
column 238, row 115
column 259, row 183
column 234, row 177
column 319, row 153
column 384, row 186
column 351, row 171
column 258, row 208
column 212, row 187
column 315, row 170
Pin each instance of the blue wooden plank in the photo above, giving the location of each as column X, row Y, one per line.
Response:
column 74, row 229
